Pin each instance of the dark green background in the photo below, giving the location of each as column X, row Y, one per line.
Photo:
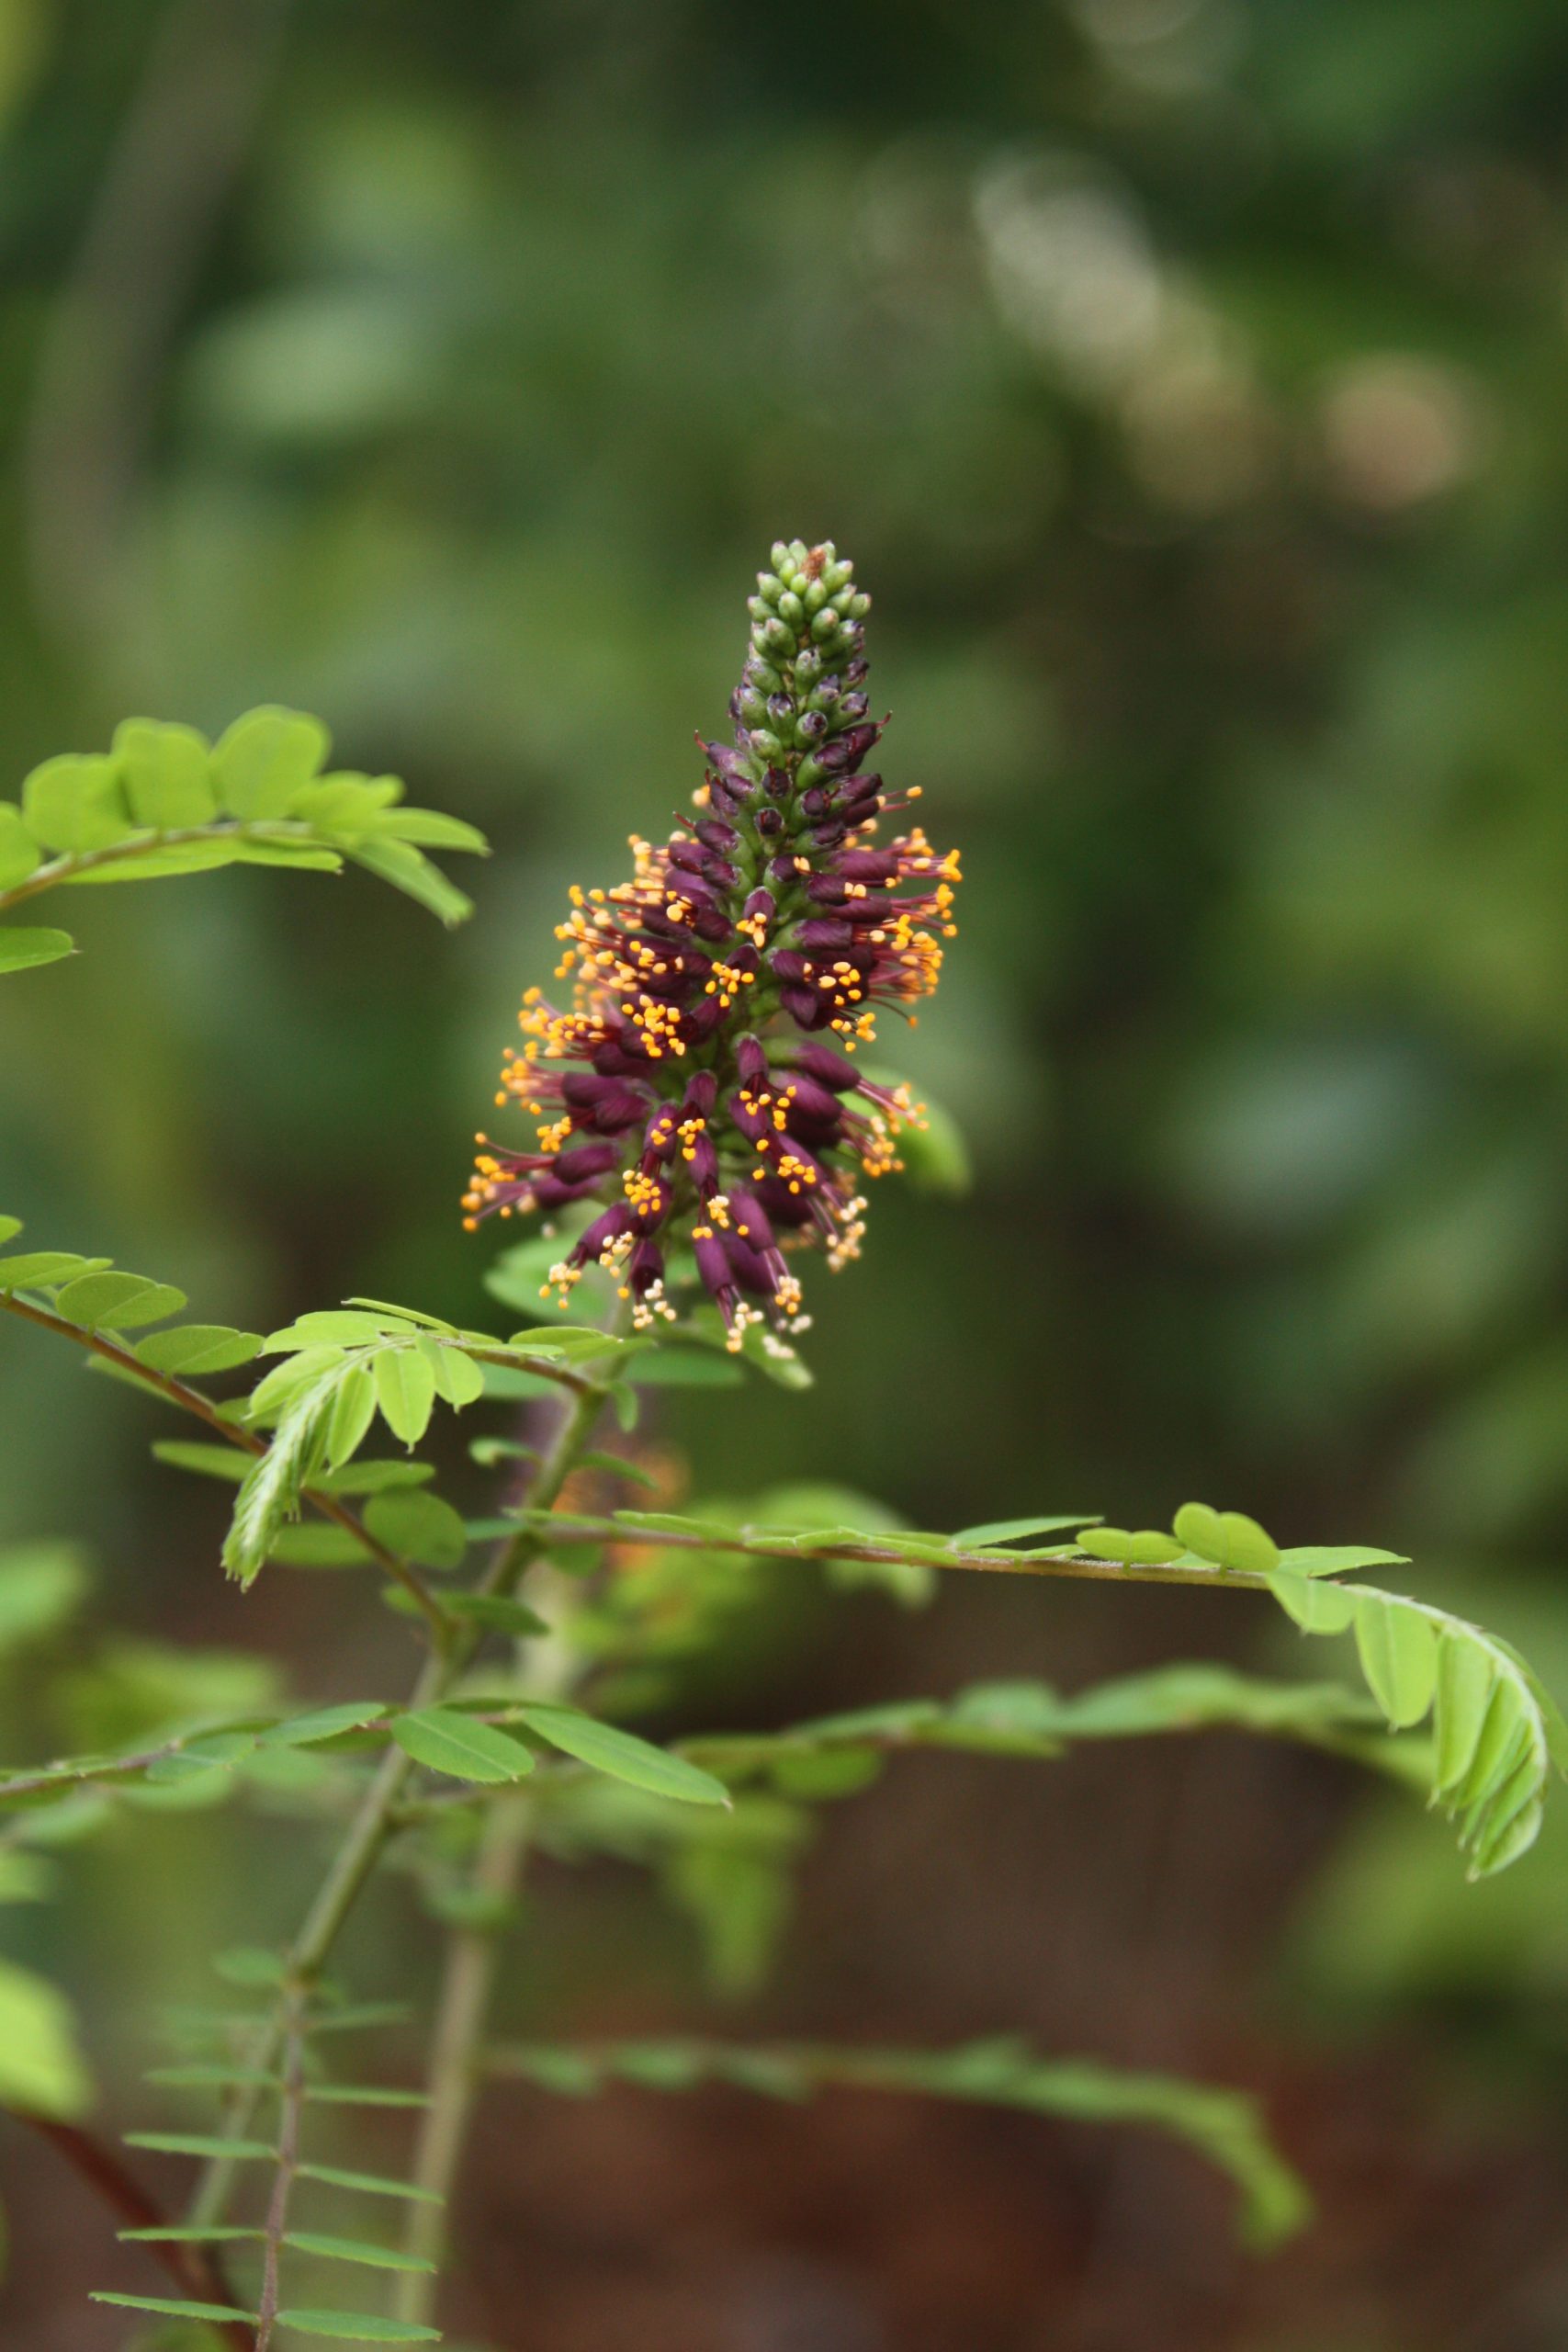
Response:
column 1186, row 378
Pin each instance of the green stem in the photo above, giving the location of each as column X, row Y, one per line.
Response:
column 72, row 863
column 462, row 2015
column 191, row 1400
column 376, row 1817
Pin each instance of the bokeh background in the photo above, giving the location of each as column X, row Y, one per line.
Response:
column 1186, row 378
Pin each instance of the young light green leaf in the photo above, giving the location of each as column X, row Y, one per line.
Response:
column 271, row 1489
column 1338, row 1559
column 1013, row 1531
column 323, row 1723
column 1399, row 1658
column 373, row 1478
column 74, row 803
column 202, row 2144
column 405, row 1391
column 166, row 774
column 459, row 1381
column 266, row 759
column 20, row 854
column 1317, row 1608
column 20, row 949
column 429, row 828
column 335, row 1327
column 43, row 2071
column 116, row 1302
column 352, row 1414
column 623, row 1756
column 417, row 1526
column 39, row 1269
column 496, row 1613
column 406, row 869
column 195, row 1350
column 452, row 1743
column 208, row 1461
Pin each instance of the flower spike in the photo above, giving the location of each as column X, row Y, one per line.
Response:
column 689, row 1090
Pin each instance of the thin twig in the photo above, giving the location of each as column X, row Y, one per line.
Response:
column 888, row 1554
column 191, row 1400
column 377, row 1815
column 195, row 2268
column 291, row 2103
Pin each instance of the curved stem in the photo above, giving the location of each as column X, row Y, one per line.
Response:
column 191, row 1400
column 290, row 2107
column 887, row 1552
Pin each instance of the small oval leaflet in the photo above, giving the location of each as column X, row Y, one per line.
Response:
column 623, row 1756
column 448, row 1742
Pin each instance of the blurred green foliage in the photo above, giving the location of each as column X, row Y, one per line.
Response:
column 1185, row 376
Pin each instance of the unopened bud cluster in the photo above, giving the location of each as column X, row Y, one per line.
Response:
column 699, row 1087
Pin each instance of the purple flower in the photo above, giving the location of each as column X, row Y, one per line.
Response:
column 689, row 1086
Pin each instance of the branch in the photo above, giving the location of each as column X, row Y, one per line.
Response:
column 378, row 1813
column 72, row 863
column 877, row 1551
column 179, row 1392
column 194, row 2266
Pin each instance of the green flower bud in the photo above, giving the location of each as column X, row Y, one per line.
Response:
column 769, row 587
column 835, row 575
column 778, row 555
column 777, row 638
column 792, row 610
column 766, row 744
column 860, row 606
column 816, row 596
column 825, row 625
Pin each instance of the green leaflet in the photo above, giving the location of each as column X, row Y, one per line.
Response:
column 375, row 2257
column 197, row 1349
column 116, row 1302
column 1227, row 1537
column 1224, row 2126
column 20, row 854
column 170, row 2307
column 417, row 1526
column 43, row 2071
column 1011, row 1530
column 166, row 774
column 271, row 1490
column 21, row 949
column 41, row 1586
column 352, row 2327
column 623, row 1756
column 405, row 1392
column 369, row 2184
column 264, row 762
column 407, row 869
column 1496, row 1732
column 452, row 1743
column 74, row 804
column 323, row 1723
